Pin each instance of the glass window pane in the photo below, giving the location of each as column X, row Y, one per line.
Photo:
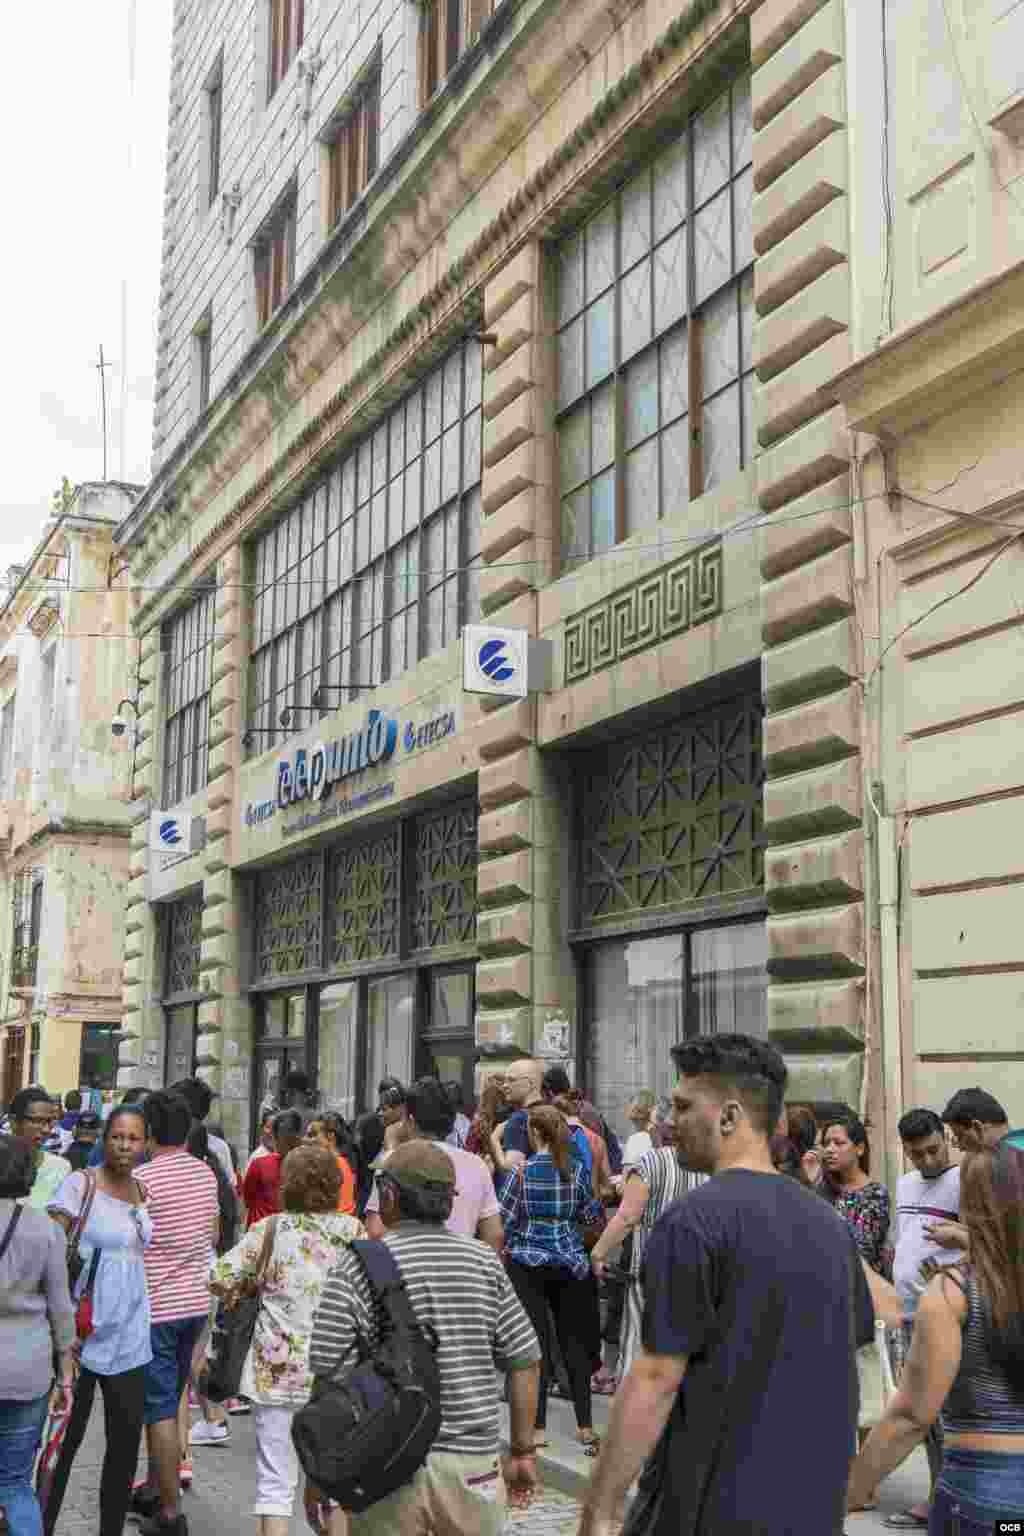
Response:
column 600, row 238
column 346, row 553
column 720, row 342
column 413, row 486
column 471, row 523
column 433, row 406
column 675, row 466
column 398, row 658
column 635, row 997
column 379, row 523
column 641, row 397
column 642, row 501
column 380, row 456
column 574, row 447
column 675, row 374
column 396, row 428
column 432, row 479
column 396, row 512
column 389, row 1007
column 576, row 527
column 451, row 466
column 712, row 254
column 348, row 488
column 600, row 320
column 471, row 446
column 711, row 150
column 635, row 309
column 453, row 388
column 749, row 440
column 602, row 510
column 434, row 638
column 636, row 219
column 451, row 609
column 742, row 125
column 670, row 281
column 729, row 980
column 721, row 437
column 473, row 366
column 570, row 278
column 743, row 200
column 413, row 426
column 570, row 363
column 747, row 322
column 336, row 1044
column 472, row 577
column 602, row 427
column 364, row 477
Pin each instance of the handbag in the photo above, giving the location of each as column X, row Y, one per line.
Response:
column 233, row 1330
column 75, row 1261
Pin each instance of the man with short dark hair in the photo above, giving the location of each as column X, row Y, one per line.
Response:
column 84, row 1142
column 199, row 1098
column 929, row 1194
column 463, row 1292
column 182, row 1201
column 32, row 1116
column 474, row 1210
column 976, row 1119
column 755, row 1299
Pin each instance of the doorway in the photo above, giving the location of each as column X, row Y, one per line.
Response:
column 447, row 1044
column 282, row 1044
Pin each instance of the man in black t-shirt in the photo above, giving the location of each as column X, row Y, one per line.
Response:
column 746, row 1388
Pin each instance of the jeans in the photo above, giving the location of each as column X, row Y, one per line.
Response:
column 21, row 1426
column 169, row 1370
column 122, row 1421
column 571, row 1303
column 975, row 1489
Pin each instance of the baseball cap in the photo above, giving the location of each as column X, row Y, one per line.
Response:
column 420, row 1165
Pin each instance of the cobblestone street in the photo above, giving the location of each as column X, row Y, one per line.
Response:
column 222, row 1492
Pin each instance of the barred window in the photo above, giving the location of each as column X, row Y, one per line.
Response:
column 378, row 565
column 188, row 658
column 655, row 365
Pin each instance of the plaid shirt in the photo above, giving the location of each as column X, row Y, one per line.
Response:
column 541, row 1211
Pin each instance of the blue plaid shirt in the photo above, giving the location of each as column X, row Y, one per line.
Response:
column 541, row 1211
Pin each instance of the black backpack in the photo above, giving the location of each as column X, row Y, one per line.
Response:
column 366, row 1434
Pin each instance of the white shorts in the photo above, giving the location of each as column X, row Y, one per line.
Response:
column 277, row 1466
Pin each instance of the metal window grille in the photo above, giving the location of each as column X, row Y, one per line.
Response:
column 378, row 565
column 183, row 939
column 445, row 864
column 365, row 886
column 27, row 915
column 673, row 818
column 655, row 360
column 288, row 918
column 188, row 660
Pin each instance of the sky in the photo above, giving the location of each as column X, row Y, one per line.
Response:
column 83, row 182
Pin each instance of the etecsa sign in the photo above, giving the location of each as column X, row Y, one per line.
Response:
column 495, row 661
column 170, row 832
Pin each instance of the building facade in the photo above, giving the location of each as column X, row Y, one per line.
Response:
column 515, row 313
column 67, row 659
column 932, row 400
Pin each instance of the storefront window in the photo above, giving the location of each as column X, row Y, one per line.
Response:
column 98, row 1060
column 645, row 995
column 339, row 1020
column 390, row 1014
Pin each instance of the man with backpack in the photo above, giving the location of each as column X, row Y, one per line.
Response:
column 456, row 1289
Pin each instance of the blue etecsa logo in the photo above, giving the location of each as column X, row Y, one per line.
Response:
column 169, row 832
column 492, row 659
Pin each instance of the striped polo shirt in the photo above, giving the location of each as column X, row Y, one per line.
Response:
column 182, row 1200
column 460, row 1286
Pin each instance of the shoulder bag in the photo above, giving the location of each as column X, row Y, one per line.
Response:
column 75, row 1261
column 6, row 1239
column 233, row 1330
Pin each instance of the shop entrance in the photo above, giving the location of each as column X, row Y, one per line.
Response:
column 447, row 1045
column 282, row 1044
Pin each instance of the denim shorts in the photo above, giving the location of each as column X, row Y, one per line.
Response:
column 168, row 1371
column 975, row 1489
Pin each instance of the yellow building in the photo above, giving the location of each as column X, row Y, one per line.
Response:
column 67, row 659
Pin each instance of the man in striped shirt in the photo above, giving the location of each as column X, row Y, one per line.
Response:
column 181, row 1196
column 458, row 1285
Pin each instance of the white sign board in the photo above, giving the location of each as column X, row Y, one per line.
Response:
column 495, row 660
column 172, row 832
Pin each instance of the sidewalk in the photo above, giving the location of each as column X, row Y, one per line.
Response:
column 562, row 1465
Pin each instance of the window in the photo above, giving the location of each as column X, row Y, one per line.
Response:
column 644, row 995
column 188, row 655
column 33, row 1059
column 27, row 926
column 655, row 312
column 210, row 134
column 378, row 565
column 275, row 261
column 202, row 358
column 286, row 20
column 447, row 29
column 7, row 750
column 352, row 153
column 98, row 1058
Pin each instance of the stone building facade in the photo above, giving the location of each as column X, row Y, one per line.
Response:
column 67, row 659
column 545, row 344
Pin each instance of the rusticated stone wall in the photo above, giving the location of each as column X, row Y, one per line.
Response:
column 814, row 869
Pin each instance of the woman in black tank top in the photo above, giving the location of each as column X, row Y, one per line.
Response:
column 967, row 1362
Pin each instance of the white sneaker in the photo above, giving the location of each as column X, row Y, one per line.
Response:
column 204, row 1433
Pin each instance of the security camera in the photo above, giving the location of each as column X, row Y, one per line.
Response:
column 118, row 725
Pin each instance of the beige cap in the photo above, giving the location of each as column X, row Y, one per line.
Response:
column 420, row 1165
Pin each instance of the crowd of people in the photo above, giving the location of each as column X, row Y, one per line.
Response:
column 732, row 1259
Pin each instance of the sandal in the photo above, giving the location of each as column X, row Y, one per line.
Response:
column 905, row 1520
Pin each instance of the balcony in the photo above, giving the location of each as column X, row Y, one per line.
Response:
column 24, row 960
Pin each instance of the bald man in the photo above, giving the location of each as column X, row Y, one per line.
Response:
column 522, row 1090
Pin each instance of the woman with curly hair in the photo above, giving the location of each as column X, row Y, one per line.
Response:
column 294, row 1251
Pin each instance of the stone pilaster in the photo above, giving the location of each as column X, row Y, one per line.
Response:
column 814, row 869
column 524, row 977
column 224, row 1044
column 140, row 1057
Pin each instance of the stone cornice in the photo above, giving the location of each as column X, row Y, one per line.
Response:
column 930, row 368
column 392, row 247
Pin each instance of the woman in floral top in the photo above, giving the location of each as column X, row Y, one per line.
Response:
column 307, row 1238
column 863, row 1203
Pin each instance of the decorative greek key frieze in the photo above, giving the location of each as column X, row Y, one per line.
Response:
column 677, row 598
